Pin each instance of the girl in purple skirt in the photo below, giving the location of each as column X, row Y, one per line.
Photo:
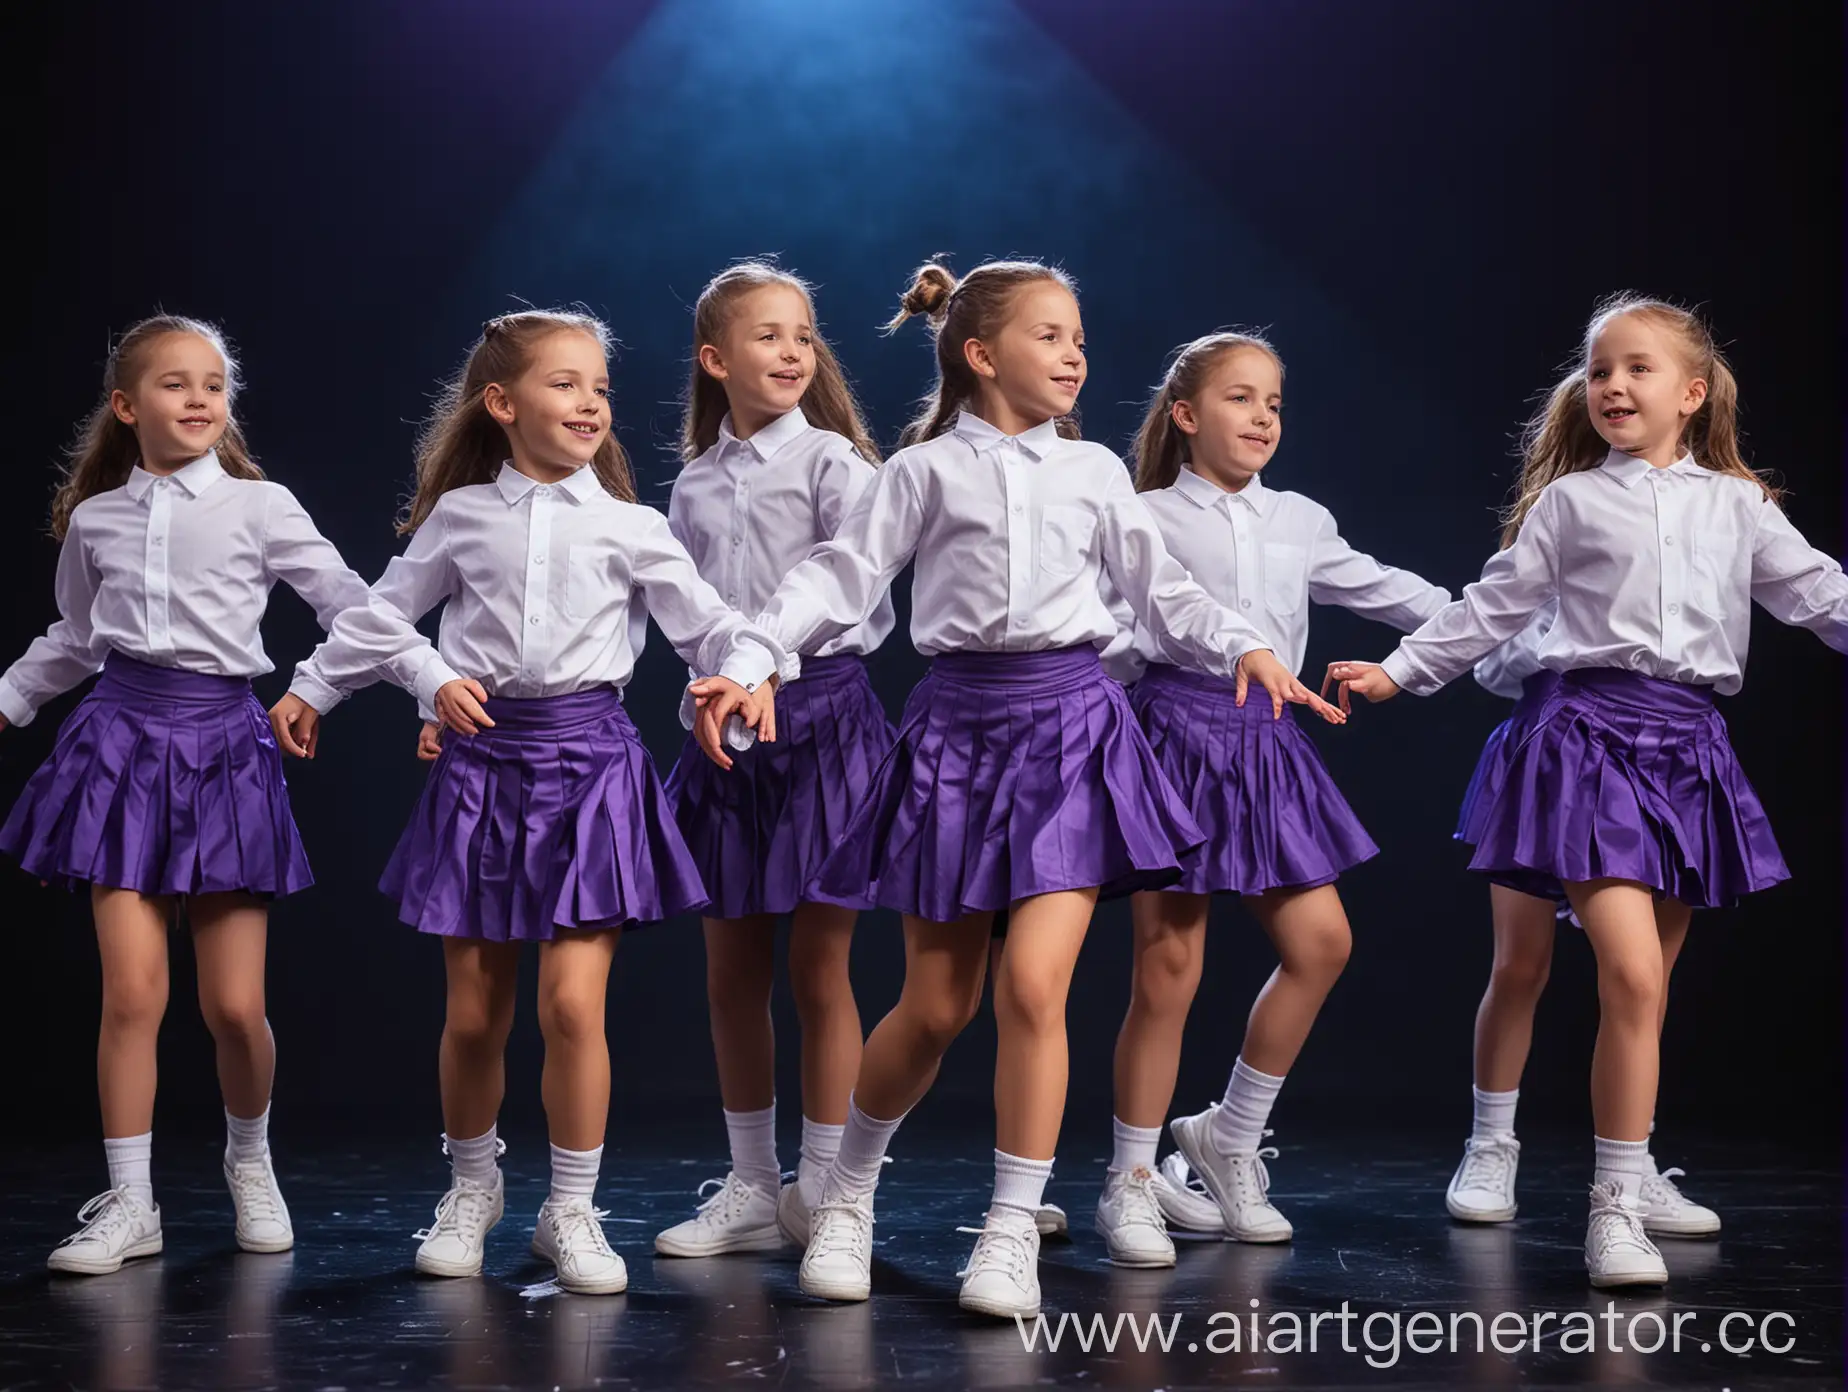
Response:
column 542, row 819
column 775, row 454
column 165, row 785
column 1278, row 831
column 1020, row 777
column 1637, row 512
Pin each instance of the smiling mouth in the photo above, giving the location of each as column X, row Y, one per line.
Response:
column 1262, row 441
column 789, row 375
column 1068, row 383
column 195, row 420
column 1619, row 413
column 584, row 429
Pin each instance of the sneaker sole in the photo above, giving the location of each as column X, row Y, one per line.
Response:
column 272, row 1245
column 1051, row 1221
column 147, row 1247
column 1674, row 1228
column 430, row 1266
column 768, row 1239
column 836, row 1291
column 1480, row 1215
column 996, row 1309
column 1615, row 1280
column 1183, row 1138
column 610, row 1285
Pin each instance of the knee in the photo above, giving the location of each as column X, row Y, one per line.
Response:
column 475, row 1020
column 821, row 987
column 1321, row 954
column 571, row 1017
column 1031, row 1000
column 939, row 1016
column 134, row 1000
column 1630, row 987
column 236, row 1018
column 1520, row 978
column 1166, row 976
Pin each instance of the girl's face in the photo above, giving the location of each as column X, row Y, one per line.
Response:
column 1638, row 389
column 177, row 404
column 1233, row 423
column 766, row 358
column 1035, row 361
column 557, row 412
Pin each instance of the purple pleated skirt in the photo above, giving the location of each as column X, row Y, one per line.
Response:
column 1013, row 774
column 553, row 819
column 1273, row 817
column 760, row 831
column 1632, row 778
column 164, row 782
column 1492, row 770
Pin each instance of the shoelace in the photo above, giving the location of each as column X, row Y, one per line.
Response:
column 1663, row 1184
column 1139, row 1201
column 251, row 1178
column 463, row 1211
column 1486, row 1164
column 1625, row 1231
column 839, row 1225
column 1005, row 1248
column 579, row 1220
column 733, row 1194
column 102, row 1216
column 1245, row 1174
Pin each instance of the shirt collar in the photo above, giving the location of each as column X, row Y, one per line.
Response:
column 983, row 437
column 514, row 485
column 1627, row 468
column 766, row 442
column 1208, row 494
column 195, row 477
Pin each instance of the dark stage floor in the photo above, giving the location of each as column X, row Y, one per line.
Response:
column 345, row 1311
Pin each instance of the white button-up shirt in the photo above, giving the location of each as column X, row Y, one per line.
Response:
column 1267, row 553
column 1011, row 535
column 1504, row 670
column 549, row 590
column 175, row 570
column 1655, row 572
column 748, row 511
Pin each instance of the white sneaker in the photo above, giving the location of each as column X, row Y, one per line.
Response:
column 570, row 1236
column 1617, row 1250
column 1184, row 1200
column 1482, row 1189
column 1051, row 1221
column 838, row 1263
column 262, row 1217
column 739, row 1217
column 1002, row 1277
column 452, row 1245
column 1239, row 1183
column 1130, row 1221
column 114, row 1227
column 1667, row 1212
column 792, row 1215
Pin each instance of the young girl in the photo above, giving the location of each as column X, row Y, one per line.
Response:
column 1638, row 514
column 1278, row 831
column 544, row 822
column 164, row 785
column 1020, row 777
column 776, row 453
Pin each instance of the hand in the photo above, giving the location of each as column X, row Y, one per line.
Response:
column 459, row 706
column 1261, row 666
column 758, row 711
column 296, row 725
column 429, row 741
column 1368, row 678
column 717, row 699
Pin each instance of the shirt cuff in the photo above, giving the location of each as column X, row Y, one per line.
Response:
column 317, row 693
column 15, row 707
column 751, row 665
column 430, row 679
column 1406, row 676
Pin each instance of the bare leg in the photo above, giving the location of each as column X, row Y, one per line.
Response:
column 740, row 970
column 944, row 967
column 1032, row 1061
column 574, row 978
column 1170, row 946
column 1309, row 929
column 820, row 942
column 1620, row 920
column 230, row 941
column 472, row 1062
column 1523, row 960
column 131, row 934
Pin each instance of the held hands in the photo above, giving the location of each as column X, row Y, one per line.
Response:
column 429, row 741
column 296, row 725
column 717, row 699
column 1368, row 678
column 1261, row 666
column 459, row 706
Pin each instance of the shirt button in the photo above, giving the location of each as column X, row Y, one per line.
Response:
column 1674, row 608
column 538, row 560
column 1244, row 604
column 534, row 621
column 1017, row 509
column 1668, row 541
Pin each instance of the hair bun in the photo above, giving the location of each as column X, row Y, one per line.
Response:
column 930, row 292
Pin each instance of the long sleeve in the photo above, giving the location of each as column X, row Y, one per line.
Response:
column 67, row 652
column 1338, row 574
column 708, row 634
column 379, row 635
column 841, row 581
column 1797, row 584
column 1122, row 657
column 1182, row 616
column 1490, row 612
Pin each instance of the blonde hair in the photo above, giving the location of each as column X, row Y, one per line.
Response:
column 105, row 449
column 1560, row 438
column 958, row 310
column 1160, row 447
column 461, row 444
column 827, row 401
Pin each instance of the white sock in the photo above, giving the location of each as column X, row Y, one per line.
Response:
column 1649, row 1160
column 1020, row 1184
column 753, row 1148
column 131, row 1162
column 574, row 1174
column 1238, row 1125
column 863, row 1146
column 246, row 1138
column 1132, row 1146
column 1494, row 1114
column 1622, row 1163
column 820, row 1144
column 475, row 1160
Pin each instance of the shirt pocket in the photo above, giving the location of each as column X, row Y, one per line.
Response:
column 589, row 568
column 1286, row 582
column 1714, row 556
column 1065, row 540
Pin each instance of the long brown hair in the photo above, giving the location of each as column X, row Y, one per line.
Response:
column 461, row 444
column 958, row 310
column 827, row 401
column 105, row 450
column 1561, row 439
column 1161, row 445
